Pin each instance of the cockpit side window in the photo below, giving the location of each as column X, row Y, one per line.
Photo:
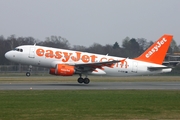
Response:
column 18, row 49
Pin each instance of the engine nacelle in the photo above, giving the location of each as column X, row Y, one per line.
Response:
column 63, row 70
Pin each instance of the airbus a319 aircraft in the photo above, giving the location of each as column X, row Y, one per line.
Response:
column 68, row 62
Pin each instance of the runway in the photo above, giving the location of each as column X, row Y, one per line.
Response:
column 93, row 86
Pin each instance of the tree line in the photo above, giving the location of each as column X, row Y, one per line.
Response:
column 130, row 47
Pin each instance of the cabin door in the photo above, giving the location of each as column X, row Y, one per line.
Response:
column 31, row 52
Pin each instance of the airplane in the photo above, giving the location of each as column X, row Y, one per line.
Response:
column 64, row 62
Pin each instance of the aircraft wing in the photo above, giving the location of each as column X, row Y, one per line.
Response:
column 88, row 67
column 106, row 63
column 85, row 67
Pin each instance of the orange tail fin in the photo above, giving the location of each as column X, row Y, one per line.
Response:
column 157, row 52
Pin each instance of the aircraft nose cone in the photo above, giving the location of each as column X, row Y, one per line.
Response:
column 8, row 55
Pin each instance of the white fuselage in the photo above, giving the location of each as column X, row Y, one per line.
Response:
column 50, row 57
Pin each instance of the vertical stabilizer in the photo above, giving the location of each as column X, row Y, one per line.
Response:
column 157, row 52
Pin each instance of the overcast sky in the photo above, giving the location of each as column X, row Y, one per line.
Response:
column 84, row 22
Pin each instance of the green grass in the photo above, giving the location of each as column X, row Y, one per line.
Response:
column 89, row 105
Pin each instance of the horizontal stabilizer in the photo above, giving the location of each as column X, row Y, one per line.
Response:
column 157, row 68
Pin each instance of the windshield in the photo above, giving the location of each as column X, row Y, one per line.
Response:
column 18, row 49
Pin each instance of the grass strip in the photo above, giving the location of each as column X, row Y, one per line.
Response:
column 89, row 105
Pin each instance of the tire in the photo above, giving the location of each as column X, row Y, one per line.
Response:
column 86, row 80
column 80, row 80
column 28, row 74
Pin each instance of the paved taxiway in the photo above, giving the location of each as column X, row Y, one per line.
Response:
column 93, row 86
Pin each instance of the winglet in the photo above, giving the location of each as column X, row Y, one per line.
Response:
column 157, row 52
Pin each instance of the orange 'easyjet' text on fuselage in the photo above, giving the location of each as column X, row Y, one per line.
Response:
column 77, row 56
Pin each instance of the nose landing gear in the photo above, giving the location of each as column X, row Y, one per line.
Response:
column 28, row 73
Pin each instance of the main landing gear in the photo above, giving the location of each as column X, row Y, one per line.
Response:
column 83, row 80
column 28, row 73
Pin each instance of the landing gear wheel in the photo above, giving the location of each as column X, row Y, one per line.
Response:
column 86, row 80
column 80, row 80
column 28, row 74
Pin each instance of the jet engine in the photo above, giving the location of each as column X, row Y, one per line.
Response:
column 63, row 70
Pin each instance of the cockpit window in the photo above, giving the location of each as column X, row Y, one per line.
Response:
column 18, row 49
